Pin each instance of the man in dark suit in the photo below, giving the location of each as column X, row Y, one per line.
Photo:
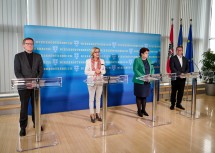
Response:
column 179, row 65
column 27, row 65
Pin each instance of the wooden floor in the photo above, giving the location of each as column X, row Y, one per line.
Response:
column 183, row 135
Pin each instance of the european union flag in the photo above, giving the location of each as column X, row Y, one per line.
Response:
column 180, row 36
column 189, row 50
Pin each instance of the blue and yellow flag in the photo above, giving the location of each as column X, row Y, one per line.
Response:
column 189, row 50
column 180, row 36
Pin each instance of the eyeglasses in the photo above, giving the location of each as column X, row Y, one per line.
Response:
column 96, row 52
column 29, row 44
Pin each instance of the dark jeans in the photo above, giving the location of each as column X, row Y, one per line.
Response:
column 25, row 95
column 177, row 85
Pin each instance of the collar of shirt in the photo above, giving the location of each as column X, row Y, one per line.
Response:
column 179, row 56
column 28, row 52
column 180, row 60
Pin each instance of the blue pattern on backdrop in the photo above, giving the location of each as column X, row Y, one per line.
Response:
column 64, row 52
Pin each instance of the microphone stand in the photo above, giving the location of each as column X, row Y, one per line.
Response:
column 200, row 74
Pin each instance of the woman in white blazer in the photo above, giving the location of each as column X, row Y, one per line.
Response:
column 95, row 69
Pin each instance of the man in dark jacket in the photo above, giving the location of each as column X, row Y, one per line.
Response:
column 179, row 65
column 27, row 65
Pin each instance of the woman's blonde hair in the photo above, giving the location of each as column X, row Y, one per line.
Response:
column 93, row 50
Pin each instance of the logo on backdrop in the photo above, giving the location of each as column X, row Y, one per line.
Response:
column 113, row 67
column 146, row 45
column 130, row 50
column 55, row 61
column 113, row 44
column 55, row 48
column 130, row 61
column 76, row 42
column 114, row 57
column 76, row 68
column 76, row 55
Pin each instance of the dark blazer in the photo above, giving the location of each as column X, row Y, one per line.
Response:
column 22, row 67
column 175, row 65
column 139, row 69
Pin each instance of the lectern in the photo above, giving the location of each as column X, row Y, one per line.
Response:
column 40, row 139
column 157, row 119
column 192, row 113
column 106, row 128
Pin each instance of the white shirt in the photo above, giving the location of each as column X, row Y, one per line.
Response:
column 180, row 60
column 89, row 70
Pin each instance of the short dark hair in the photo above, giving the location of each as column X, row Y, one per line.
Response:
column 143, row 50
column 179, row 47
column 28, row 38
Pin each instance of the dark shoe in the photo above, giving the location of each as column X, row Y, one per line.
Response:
column 92, row 118
column 98, row 117
column 180, row 106
column 22, row 132
column 172, row 107
column 139, row 113
column 41, row 127
column 144, row 113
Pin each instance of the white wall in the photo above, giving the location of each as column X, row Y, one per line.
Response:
column 146, row 16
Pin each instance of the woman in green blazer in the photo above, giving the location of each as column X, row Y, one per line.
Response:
column 142, row 66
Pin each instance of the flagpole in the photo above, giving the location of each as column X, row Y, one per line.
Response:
column 172, row 36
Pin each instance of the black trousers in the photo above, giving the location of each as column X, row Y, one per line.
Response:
column 177, row 87
column 26, row 95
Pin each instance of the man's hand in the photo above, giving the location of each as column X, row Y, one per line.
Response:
column 30, row 85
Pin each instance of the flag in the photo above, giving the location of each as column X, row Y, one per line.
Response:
column 189, row 50
column 180, row 36
column 171, row 50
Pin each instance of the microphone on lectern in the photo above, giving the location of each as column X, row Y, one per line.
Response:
column 200, row 74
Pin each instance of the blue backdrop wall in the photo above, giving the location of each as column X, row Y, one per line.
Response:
column 64, row 52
